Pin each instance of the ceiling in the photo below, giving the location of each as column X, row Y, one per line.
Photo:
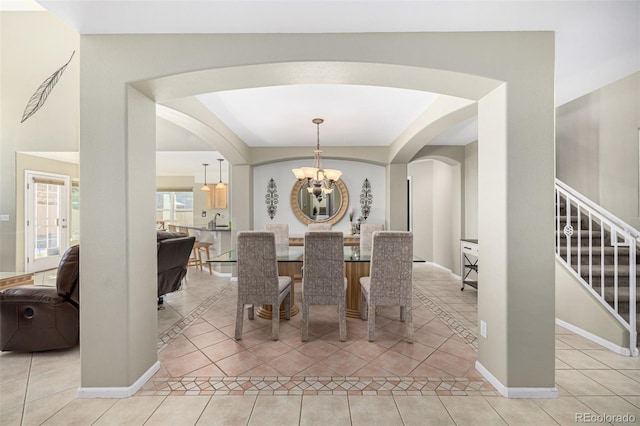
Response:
column 597, row 43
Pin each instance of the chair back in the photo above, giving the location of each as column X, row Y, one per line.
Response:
column 172, row 257
column 68, row 275
column 319, row 227
column 172, row 228
column 257, row 264
column 392, row 267
column 366, row 234
column 281, row 231
column 323, row 278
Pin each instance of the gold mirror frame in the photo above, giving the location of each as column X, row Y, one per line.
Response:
column 344, row 194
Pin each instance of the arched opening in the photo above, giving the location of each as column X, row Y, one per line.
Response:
column 122, row 120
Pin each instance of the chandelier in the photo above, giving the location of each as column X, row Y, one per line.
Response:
column 319, row 181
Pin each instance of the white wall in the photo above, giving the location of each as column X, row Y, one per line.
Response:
column 436, row 209
column 353, row 175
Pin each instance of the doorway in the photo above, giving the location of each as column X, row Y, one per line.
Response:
column 46, row 219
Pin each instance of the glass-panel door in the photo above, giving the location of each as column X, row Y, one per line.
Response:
column 46, row 224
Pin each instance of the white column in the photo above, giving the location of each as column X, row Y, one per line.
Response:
column 118, row 276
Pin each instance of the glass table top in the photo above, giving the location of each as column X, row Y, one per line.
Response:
column 296, row 254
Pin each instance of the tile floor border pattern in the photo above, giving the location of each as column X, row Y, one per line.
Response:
column 309, row 385
column 334, row 385
column 178, row 328
column 469, row 336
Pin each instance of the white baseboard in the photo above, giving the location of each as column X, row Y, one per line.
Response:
column 119, row 392
column 596, row 339
column 444, row 268
column 507, row 392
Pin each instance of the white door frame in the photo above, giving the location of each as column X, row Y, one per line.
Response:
column 51, row 261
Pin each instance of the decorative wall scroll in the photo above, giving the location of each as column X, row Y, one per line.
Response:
column 40, row 96
column 366, row 199
column 271, row 199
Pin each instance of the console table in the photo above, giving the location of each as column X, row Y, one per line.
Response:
column 468, row 263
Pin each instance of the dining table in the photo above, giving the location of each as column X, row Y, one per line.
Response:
column 290, row 259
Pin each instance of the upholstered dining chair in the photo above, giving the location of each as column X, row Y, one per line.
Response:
column 281, row 230
column 258, row 280
column 390, row 280
column 366, row 234
column 323, row 281
column 319, row 227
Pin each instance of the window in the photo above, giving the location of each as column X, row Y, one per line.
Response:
column 174, row 207
column 75, row 212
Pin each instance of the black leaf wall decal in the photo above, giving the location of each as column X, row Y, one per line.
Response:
column 41, row 94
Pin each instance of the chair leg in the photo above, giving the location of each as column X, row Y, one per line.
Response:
column 363, row 306
column 371, row 324
column 287, row 306
column 275, row 320
column 209, row 258
column 239, row 318
column 409, row 315
column 305, row 321
column 342, row 308
column 199, row 258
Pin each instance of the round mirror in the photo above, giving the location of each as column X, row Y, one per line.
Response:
column 328, row 209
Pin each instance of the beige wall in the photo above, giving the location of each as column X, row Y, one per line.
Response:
column 471, row 191
column 33, row 45
column 577, row 306
column 597, row 147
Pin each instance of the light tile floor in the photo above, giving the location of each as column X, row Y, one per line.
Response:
column 208, row 378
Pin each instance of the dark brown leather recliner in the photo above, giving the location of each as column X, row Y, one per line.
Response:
column 41, row 318
column 174, row 249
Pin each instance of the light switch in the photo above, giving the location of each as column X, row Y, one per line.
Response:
column 4, row 218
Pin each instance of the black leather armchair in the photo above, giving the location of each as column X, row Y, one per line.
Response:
column 174, row 249
column 41, row 318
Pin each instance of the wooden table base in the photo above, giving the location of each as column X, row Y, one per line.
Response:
column 285, row 269
column 352, row 270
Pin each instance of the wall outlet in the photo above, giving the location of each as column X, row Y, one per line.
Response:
column 483, row 329
column 204, row 213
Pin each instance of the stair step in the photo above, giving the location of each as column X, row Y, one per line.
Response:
column 623, row 270
column 623, row 295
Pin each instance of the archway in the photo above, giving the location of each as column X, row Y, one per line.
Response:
column 523, row 121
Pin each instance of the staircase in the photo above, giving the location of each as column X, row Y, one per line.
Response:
column 603, row 252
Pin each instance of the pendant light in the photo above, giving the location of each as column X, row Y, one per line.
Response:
column 205, row 187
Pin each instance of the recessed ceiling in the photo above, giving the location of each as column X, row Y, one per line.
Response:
column 353, row 115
